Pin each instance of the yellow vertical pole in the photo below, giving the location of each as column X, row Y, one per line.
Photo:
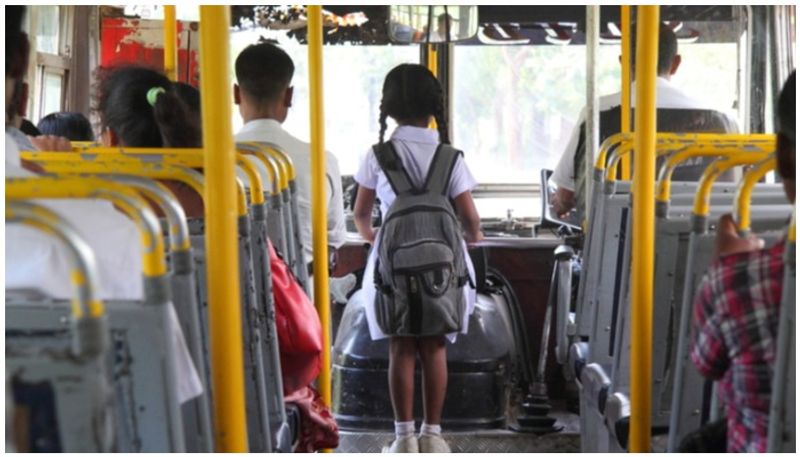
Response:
column 319, row 207
column 170, row 43
column 225, row 320
column 643, row 194
column 433, row 66
column 625, row 121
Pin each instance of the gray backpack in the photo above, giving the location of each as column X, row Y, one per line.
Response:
column 420, row 268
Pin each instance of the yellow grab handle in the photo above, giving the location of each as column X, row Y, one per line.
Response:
column 712, row 172
column 744, row 192
column 125, row 198
column 183, row 157
column 702, row 150
column 271, row 164
column 256, row 187
column 609, row 144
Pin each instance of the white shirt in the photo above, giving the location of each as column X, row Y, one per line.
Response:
column 415, row 146
column 668, row 96
column 270, row 130
column 35, row 260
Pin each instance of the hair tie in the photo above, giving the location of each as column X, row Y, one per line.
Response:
column 152, row 95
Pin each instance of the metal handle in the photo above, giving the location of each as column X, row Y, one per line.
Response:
column 126, row 199
column 161, row 196
column 710, row 175
column 706, row 150
column 270, row 163
column 744, row 192
column 89, row 326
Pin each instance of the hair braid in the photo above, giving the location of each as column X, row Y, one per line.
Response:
column 439, row 115
column 382, row 122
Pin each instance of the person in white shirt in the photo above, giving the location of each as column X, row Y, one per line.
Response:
column 264, row 95
column 566, row 176
column 412, row 96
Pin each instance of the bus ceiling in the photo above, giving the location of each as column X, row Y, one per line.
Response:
column 503, row 25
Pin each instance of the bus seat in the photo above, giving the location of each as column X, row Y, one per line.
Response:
column 782, row 420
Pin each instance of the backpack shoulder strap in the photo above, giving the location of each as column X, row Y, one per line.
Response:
column 441, row 169
column 392, row 167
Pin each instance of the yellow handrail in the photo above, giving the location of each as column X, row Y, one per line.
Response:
column 125, row 198
column 225, row 320
column 188, row 158
column 170, row 43
column 319, row 204
column 609, row 144
column 703, row 150
column 625, row 118
column 271, row 165
column 179, row 173
column 744, row 192
column 433, row 66
column 702, row 197
column 281, row 160
column 643, row 191
column 672, row 142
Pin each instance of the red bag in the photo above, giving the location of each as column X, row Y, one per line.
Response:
column 318, row 428
column 298, row 326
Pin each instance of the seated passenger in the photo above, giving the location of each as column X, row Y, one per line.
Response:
column 72, row 126
column 139, row 107
column 737, row 306
column 264, row 95
column 35, row 260
column 570, row 172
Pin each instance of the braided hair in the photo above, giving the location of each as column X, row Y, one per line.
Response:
column 410, row 91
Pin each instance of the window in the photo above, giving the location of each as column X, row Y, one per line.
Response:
column 52, row 42
column 52, row 92
column 47, row 29
column 352, row 88
column 514, row 107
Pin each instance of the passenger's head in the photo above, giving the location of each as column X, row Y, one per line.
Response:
column 140, row 107
column 443, row 22
column 668, row 58
column 411, row 96
column 787, row 115
column 17, row 107
column 17, row 47
column 72, row 126
column 264, row 76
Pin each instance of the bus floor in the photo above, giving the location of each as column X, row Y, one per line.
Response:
column 483, row 441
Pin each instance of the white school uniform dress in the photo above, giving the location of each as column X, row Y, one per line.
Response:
column 35, row 260
column 415, row 147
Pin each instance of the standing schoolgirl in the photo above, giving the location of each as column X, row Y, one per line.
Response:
column 412, row 96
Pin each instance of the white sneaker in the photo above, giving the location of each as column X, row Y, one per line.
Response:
column 402, row 445
column 433, row 444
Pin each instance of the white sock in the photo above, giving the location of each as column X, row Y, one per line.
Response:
column 404, row 429
column 431, row 430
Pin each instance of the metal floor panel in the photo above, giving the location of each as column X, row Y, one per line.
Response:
column 489, row 441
